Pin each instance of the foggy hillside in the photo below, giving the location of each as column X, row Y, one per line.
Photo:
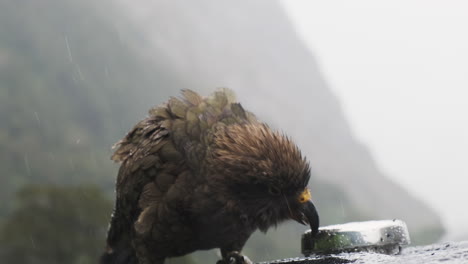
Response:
column 75, row 76
column 251, row 47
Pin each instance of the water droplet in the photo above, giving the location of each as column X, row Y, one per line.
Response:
column 37, row 118
column 32, row 242
column 70, row 57
column 26, row 162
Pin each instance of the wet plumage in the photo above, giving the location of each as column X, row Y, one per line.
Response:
column 202, row 173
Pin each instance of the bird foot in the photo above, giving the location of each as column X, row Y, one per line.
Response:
column 235, row 257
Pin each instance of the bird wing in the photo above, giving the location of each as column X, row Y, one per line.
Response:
column 172, row 141
column 141, row 155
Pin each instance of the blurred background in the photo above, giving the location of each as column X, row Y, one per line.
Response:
column 373, row 93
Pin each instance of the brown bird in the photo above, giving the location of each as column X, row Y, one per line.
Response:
column 201, row 173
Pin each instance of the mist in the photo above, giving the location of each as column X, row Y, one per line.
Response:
column 401, row 78
column 78, row 75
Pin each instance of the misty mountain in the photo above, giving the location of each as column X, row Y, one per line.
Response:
column 66, row 77
column 251, row 47
column 75, row 76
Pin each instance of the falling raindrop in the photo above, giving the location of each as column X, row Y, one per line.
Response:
column 75, row 81
column 70, row 57
column 37, row 118
column 106, row 71
column 72, row 164
column 342, row 208
column 80, row 73
column 32, row 242
column 26, row 162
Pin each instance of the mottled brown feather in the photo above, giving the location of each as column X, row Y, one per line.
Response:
column 182, row 170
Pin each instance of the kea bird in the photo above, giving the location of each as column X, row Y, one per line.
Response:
column 201, row 173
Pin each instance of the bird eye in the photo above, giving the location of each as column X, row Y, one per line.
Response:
column 274, row 190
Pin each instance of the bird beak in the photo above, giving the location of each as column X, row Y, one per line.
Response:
column 307, row 214
column 311, row 216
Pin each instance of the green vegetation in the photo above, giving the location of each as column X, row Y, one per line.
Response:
column 56, row 225
column 67, row 93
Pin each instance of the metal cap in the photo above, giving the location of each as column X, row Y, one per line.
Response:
column 385, row 236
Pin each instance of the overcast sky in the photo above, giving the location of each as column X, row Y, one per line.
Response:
column 400, row 69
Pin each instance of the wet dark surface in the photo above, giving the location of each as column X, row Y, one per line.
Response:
column 323, row 260
column 446, row 253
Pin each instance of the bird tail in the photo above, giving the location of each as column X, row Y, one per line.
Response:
column 119, row 252
column 119, row 247
column 125, row 256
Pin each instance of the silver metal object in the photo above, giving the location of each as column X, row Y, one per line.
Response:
column 385, row 236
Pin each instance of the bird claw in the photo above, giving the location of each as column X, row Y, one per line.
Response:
column 235, row 258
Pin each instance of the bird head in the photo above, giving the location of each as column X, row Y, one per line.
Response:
column 262, row 173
